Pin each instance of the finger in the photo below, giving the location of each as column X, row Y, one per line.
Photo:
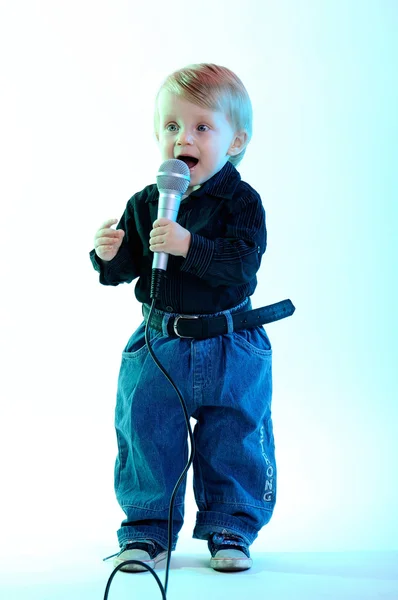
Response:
column 161, row 222
column 104, row 248
column 107, row 241
column 108, row 223
column 157, row 244
column 157, row 232
column 111, row 233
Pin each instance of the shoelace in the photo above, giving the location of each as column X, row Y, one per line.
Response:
column 233, row 540
column 222, row 541
column 131, row 545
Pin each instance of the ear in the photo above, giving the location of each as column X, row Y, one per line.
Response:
column 238, row 143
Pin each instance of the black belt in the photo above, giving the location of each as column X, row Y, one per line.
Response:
column 188, row 326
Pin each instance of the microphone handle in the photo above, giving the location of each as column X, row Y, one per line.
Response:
column 169, row 204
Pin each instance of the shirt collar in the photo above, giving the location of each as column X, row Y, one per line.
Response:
column 222, row 185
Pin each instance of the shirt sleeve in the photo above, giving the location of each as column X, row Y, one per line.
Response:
column 126, row 265
column 234, row 258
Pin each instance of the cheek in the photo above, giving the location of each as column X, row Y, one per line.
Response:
column 164, row 147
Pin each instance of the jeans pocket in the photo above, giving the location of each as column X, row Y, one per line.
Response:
column 137, row 343
column 255, row 340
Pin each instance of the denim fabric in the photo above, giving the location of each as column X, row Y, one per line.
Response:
column 226, row 383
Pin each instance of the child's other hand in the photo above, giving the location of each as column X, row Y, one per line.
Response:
column 107, row 241
column 168, row 236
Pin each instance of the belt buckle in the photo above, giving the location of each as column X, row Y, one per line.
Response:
column 176, row 323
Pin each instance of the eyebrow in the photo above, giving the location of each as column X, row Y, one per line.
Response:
column 199, row 118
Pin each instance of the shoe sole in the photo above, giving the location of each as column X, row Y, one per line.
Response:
column 230, row 560
column 231, row 565
column 140, row 555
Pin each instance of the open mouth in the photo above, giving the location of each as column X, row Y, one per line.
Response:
column 190, row 161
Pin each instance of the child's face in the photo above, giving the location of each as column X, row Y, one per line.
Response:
column 186, row 128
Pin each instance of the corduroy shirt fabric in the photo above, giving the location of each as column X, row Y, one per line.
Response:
column 226, row 219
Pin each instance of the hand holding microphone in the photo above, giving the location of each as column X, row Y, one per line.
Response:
column 169, row 237
column 173, row 181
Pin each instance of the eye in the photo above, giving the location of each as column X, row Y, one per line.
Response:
column 175, row 126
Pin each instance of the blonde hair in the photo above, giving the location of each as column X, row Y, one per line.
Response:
column 216, row 88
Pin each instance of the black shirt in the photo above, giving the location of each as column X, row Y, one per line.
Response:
column 226, row 219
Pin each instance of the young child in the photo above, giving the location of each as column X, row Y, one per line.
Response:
column 203, row 115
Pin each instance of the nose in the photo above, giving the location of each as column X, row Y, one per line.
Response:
column 184, row 137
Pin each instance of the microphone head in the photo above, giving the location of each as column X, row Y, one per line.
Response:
column 173, row 176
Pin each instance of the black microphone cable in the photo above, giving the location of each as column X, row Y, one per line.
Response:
column 157, row 276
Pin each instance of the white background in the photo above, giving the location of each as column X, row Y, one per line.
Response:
column 78, row 82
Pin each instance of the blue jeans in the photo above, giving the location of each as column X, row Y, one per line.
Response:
column 226, row 383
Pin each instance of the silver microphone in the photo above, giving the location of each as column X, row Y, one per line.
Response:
column 173, row 180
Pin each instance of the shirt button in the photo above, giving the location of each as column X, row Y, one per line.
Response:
column 169, row 308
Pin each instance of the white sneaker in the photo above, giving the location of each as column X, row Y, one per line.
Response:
column 146, row 551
